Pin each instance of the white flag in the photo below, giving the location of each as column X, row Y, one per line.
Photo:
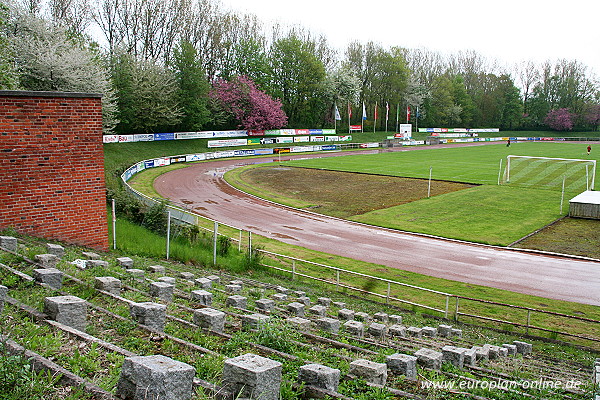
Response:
column 338, row 117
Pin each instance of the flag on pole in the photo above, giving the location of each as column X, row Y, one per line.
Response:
column 397, row 116
column 349, row 117
column 387, row 115
column 337, row 116
column 364, row 117
column 387, row 112
column 407, row 114
column 375, row 114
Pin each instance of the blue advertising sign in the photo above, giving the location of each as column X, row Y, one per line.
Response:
column 315, row 131
column 164, row 136
column 329, row 147
column 149, row 163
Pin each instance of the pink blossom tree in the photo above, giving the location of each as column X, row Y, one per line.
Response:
column 248, row 106
column 559, row 120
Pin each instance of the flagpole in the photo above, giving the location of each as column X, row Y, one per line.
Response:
column 364, row 116
column 417, row 120
column 397, row 115
column 375, row 120
column 387, row 115
column 334, row 117
column 349, row 117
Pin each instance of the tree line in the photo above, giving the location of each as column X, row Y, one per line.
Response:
column 188, row 65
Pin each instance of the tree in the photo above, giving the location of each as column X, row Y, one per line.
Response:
column 193, row 88
column 298, row 76
column 341, row 86
column 49, row 58
column 383, row 73
column 592, row 116
column 559, row 120
column 562, row 85
column 8, row 74
column 146, row 95
column 246, row 105
column 147, row 29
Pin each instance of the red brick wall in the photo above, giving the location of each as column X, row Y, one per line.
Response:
column 52, row 166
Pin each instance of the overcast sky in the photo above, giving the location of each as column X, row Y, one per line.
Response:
column 509, row 30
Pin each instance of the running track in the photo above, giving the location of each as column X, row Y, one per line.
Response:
column 201, row 187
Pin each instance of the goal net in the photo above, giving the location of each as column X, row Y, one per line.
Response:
column 549, row 173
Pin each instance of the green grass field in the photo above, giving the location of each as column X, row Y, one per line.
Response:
column 489, row 213
column 472, row 164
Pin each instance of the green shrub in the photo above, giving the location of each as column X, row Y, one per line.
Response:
column 155, row 218
column 223, row 245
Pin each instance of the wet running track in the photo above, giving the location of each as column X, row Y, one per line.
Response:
column 201, row 187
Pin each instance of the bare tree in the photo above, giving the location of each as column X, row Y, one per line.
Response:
column 528, row 75
column 76, row 15
column 147, row 29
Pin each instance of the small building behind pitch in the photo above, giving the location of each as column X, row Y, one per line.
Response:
column 585, row 205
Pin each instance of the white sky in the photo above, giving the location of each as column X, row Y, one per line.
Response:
column 508, row 30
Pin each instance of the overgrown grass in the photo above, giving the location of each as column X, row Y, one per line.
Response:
column 137, row 240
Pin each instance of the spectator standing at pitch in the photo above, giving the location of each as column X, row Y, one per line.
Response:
column 589, row 149
column 508, row 143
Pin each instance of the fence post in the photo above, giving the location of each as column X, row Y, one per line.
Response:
column 429, row 184
column 456, row 310
column 387, row 299
column 447, row 304
column 528, row 320
column 337, row 277
column 114, row 224
column 294, row 269
column 215, row 235
column 240, row 242
column 249, row 244
column 168, row 232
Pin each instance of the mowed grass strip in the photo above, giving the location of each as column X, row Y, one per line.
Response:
column 496, row 215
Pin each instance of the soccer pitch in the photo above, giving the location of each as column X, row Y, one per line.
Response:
column 489, row 213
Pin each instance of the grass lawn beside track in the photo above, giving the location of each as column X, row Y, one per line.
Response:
column 493, row 215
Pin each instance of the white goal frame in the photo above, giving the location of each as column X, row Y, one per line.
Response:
column 593, row 162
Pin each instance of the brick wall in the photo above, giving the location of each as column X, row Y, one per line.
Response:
column 52, row 166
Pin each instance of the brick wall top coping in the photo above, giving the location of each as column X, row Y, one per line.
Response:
column 32, row 93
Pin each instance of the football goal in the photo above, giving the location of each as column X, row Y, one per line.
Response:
column 572, row 175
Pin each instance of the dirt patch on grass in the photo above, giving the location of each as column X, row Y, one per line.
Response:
column 343, row 194
column 575, row 236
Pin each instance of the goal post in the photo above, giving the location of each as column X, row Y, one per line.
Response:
column 549, row 173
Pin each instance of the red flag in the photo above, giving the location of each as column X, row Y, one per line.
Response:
column 376, row 111
column 407, row 114
column 349, row 111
